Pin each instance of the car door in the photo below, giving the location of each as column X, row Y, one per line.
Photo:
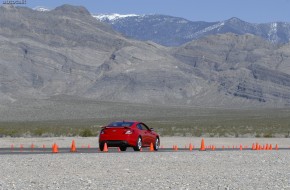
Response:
column 150, row 137
column 143, row 133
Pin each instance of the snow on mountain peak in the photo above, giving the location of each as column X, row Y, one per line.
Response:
column 272, row 34
column 41, row 9
column 205, row 30
column 274, row 26
column 112, row 17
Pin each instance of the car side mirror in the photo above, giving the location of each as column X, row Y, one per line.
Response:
column 151, row 129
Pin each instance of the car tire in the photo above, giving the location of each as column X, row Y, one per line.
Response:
column 138, row 144
column 101, row 146
column 123, row 148
column 156, row 144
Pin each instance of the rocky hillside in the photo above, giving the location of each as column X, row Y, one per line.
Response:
column 243, row 66
column 67, row 52
column 175, row 31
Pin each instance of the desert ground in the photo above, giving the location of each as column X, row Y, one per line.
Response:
column 235, row 169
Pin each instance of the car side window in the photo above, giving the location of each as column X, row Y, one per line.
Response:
column 144, row 127
column 139, row 126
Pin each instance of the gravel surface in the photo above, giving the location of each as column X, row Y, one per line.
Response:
column 147, row 170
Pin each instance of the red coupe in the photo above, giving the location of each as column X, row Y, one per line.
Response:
column 125, row 134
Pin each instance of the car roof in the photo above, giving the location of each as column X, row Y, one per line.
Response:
column 129, row 121
column 134, row 123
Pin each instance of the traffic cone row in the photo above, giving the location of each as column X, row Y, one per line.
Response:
column 257, row 146
column 175, row 147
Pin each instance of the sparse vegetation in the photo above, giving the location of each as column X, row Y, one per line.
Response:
column 224, row 123
column 166, row 120
column 49, row 128
column 86, row 133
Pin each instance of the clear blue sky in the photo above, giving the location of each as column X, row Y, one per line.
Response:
column 256, row 11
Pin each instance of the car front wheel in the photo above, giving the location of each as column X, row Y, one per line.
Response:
column 101, row 146
column 123, row 148
column 138, row 145
column 156, row 145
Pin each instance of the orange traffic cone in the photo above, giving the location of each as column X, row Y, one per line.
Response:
column 105, row 148
column 32, row 147
column 276, row 147
column 73, row 146
column 267, row 147
column 270, row 147
column 202, row 146
column 253, row 146
column 241, row 147
column 151, row 147
column 190, row 147
column 176, row 148
column 54, row 148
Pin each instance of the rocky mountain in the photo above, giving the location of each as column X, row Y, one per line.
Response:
column 66, row 52
column 175, row 31
column 242, row 66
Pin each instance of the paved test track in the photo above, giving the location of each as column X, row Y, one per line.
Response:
column 22, row 151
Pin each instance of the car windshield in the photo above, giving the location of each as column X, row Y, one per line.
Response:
column 121, row 124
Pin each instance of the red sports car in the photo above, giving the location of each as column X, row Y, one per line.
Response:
column 125, row 134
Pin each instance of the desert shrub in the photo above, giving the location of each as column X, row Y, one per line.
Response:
column 268, row 135
column 38, row 132
column 86, row 133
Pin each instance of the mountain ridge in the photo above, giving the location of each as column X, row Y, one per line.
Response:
column 67, row 52
column 177, row 31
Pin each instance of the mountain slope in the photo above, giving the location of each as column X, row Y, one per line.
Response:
column 175, row 31
column 243, row 66
column 66, row 52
